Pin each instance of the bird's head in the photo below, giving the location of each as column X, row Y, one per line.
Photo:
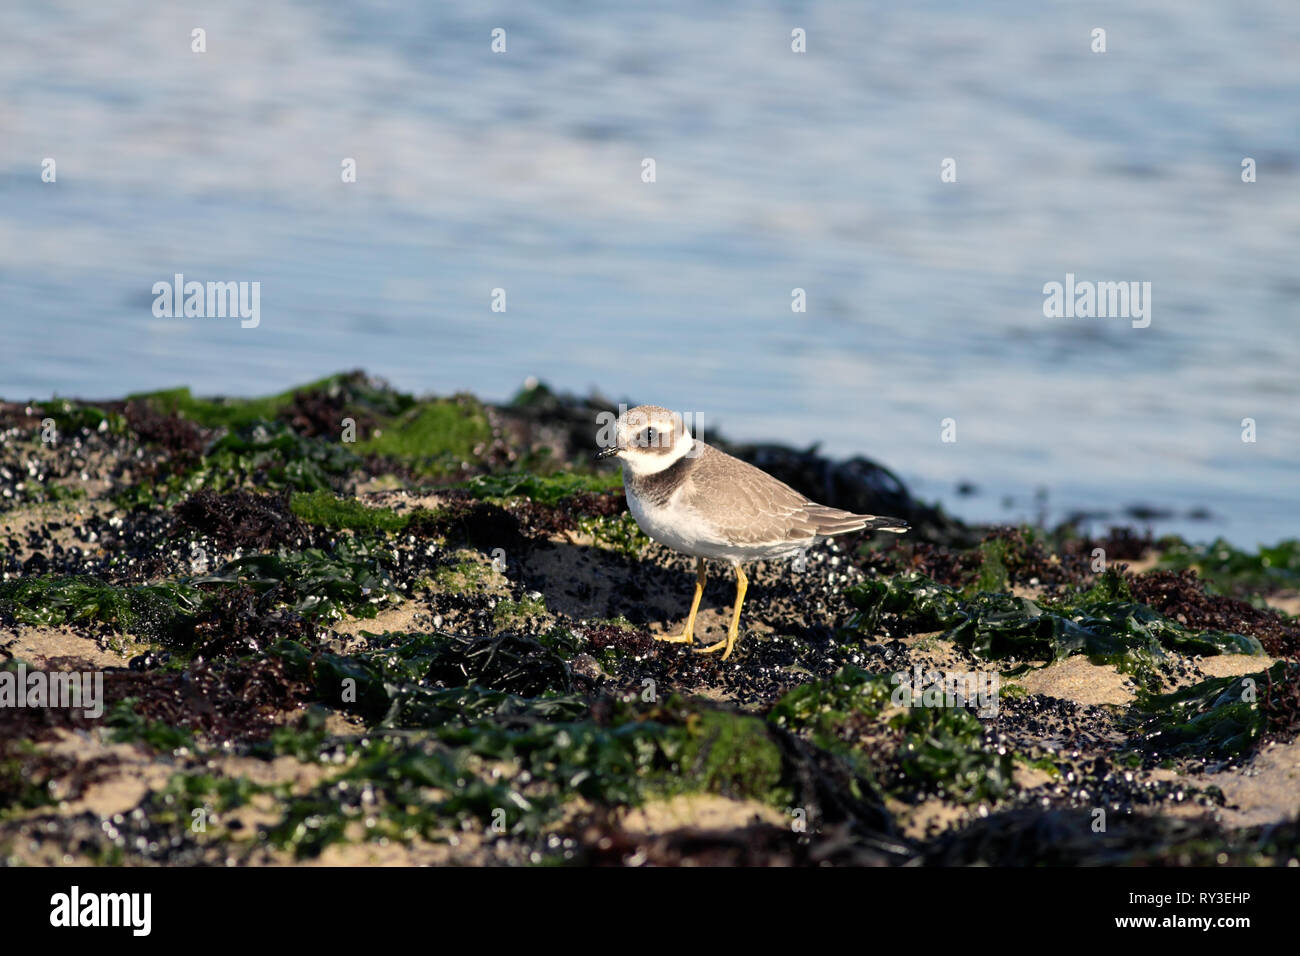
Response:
column 649, row 439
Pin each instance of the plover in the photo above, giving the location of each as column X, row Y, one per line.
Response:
column 688, row 495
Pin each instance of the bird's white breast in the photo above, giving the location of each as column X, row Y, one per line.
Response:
column 674, row 525
column 683, row 528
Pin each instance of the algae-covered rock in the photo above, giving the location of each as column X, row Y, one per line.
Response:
column 344, row 620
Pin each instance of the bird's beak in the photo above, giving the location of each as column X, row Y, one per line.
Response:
column 608, row 452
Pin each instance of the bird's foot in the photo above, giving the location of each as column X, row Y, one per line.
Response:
column 724, row 645
column 683, row 638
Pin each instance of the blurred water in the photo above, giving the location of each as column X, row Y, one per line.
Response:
column 775, row 171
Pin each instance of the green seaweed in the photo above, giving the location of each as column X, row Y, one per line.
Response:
column 271, row 455
column 619, row 533
column 156, row 611
column 542, row 489
column 1235, row 573
column 22, row 785
column 1111, row 585
column 993, row 570
column 130, row 727
column 466, row 577
column 998, row 626
column 357, row 396
column 436, row 438
column 509, row 613
column 353, row 579
column 217, row 412
column 213, row 792
column 327, row 510
column 731, row 754
column 1218, row 717
column 414, row 680
column 432, row 782
column 937, row 750
column 261, row 455
column 428, row 763
column 70, row 416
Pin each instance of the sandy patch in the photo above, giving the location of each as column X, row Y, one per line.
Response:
column 1079, row 680
column 719, row 695
column 136, row 772
column 399, row 500
column 463, row 848
column 704, row 811
column 1148, row 562
column 585, row 583
column 1286, row 601
column 1233, row 665
column 1028, row 778
column 37, row 645
column 933, row 653
column 1266, row 790
column 928, row 818
column 409, row 616
column 711, row 626
column 67, row 514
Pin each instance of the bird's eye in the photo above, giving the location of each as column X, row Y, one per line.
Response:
column 648, row 437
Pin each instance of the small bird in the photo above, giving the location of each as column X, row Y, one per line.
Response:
column 693, row 498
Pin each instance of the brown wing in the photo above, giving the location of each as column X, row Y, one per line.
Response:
column 764, row 510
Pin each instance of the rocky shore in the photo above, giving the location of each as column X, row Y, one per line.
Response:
column 347, row 625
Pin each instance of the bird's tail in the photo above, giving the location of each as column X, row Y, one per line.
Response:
column 834, row 521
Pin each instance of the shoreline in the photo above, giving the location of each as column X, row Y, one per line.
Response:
column 342, row 590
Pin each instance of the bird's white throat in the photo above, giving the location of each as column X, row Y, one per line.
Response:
column 643, row 461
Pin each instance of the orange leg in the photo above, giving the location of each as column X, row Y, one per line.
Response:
column 733, row 632
column 688, row 633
